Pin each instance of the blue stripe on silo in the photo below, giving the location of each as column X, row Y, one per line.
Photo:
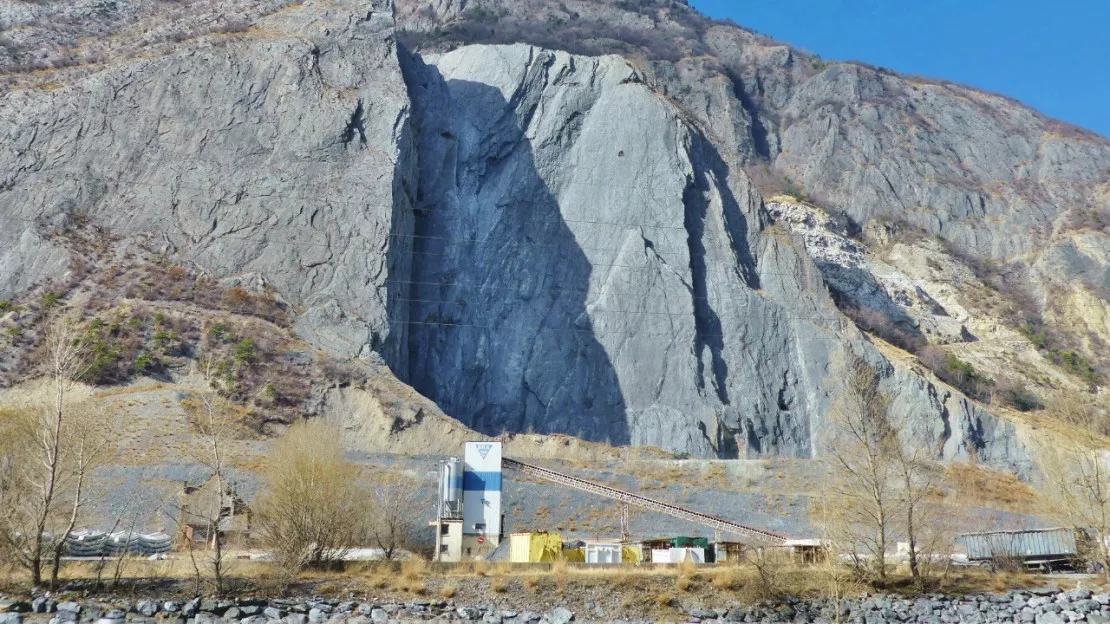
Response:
column 481, row 481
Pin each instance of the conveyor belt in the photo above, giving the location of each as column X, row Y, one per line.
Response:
column 763, row 537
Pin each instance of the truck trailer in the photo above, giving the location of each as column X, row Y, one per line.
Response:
column 1046, row 550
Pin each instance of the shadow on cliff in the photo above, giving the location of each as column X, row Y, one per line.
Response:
column 499, row 334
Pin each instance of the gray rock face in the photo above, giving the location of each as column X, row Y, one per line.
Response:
column 580, row 275
column 533, row 239
column 994, row 181
column 279, row 159
column 986, row 173
column 584, row 276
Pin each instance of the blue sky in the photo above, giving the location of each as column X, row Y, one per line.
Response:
column 1053, row 55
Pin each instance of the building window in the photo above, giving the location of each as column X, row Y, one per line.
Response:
column 480, row 527
column 443, row 549
column 444, row 529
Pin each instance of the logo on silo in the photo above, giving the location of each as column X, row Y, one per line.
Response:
column 483, row 449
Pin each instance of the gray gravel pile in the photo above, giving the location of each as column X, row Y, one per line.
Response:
column 1042, row 606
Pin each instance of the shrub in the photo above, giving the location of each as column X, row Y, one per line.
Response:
column 6, row 305
column 218, row 331
column 312, row 506
column 956, row 372
column 50, row 299
column 246, row 351
column 880, row 324
column 163, row 338
column 1020, row 398
column 146, row 362
column 1075, row 364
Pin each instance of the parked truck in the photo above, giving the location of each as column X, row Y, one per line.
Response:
column 1046, row 550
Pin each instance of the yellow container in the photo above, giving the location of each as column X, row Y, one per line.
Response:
column 534, row 547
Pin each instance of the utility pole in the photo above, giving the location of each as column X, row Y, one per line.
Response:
column 625, row 532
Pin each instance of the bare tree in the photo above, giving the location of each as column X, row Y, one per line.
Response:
column 397, row 508
column 840, row 582
column 863, row 478
column 89, row 442
column 1076, row 473
column 49, row 465
column 916, row 472
column 312, row 507
column 9, row 484
column 216, row 505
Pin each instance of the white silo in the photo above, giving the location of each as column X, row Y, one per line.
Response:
column 481, row 485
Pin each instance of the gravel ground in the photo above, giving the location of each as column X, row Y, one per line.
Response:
column 1048, row 605
column 753, row 493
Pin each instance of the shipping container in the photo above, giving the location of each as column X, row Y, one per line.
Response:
column 597, row 552
column 535, row 547
column 1045, row 549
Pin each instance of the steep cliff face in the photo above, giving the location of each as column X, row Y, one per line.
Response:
column 533, row 239
column 993, row 178
column 278, row 157
column 575, row 273
column 578, row 273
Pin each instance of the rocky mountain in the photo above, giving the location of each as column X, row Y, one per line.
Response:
column 616, row 220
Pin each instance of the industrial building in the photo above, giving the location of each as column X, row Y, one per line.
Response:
column 543, row 547
column 468, row 525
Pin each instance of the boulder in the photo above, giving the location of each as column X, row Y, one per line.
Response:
column 1049, row 617
column 558, row 615
column 469, row 613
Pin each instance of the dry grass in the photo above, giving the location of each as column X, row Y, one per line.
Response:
column 645, row 592
column 983, row 486
column 728, row 579
column 664, row 600
column 414, row 568
column 559, row 570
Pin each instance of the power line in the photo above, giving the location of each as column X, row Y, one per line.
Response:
column 570, row 246
column 688, row 314
column 737, row 270
column 315, row 200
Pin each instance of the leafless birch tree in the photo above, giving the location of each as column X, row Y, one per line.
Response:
column 863, row 478
column 1076, row 472
column 396, row 512
column 49, row 464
